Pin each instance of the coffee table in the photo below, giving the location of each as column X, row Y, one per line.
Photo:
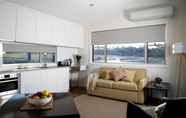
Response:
column 63, row 107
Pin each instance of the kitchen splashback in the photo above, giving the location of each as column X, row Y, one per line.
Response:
column 22, row 47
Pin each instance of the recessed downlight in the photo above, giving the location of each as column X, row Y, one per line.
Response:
column 91, row 5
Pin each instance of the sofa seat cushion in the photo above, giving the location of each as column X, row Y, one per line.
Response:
column 104, row 83
column 130, row 86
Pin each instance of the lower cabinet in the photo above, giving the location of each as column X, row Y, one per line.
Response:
column 53, row 80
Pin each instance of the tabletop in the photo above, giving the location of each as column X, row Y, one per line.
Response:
column 154, row 85
column 63, row 107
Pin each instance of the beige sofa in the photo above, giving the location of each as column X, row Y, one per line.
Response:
column 121, row 90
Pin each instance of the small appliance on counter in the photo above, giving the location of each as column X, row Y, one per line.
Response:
column 66, row 62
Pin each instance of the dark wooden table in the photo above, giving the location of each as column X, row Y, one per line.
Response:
column 81, row 76
column 63, row 107
column 155, row 92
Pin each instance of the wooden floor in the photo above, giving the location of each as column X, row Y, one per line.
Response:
column 77, row 91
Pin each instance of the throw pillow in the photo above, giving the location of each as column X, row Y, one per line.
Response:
column 117, row 75
column 130, row 75
column 102, row 74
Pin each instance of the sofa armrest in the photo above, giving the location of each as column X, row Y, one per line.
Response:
column 91, row 80
column 142, row 83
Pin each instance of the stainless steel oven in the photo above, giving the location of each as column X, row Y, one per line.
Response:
column 9, row 83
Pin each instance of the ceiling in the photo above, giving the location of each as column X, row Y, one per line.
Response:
column 103, row 11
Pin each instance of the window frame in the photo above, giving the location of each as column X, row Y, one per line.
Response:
column 105, row 54
column 145, row 55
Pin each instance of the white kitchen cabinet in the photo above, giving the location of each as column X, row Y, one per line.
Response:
column 21, row 24
column 58, row 31
column 66, row 33
column 74, row 35
column 30, row 81
column 26, row 25
column 53, row 80
column 79, row 35
column 44, row 29
column 7, row 21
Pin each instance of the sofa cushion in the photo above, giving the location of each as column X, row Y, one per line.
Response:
column 140, row 74
column 122, row 85
column 104, row 83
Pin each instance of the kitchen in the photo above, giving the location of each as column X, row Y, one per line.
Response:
column 28, row 56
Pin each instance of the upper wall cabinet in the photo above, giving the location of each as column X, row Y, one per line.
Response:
column 44, row 29
column 58, row 31
column 26, row 25
column 21, row 24
column 7, row 21
column 74, row 34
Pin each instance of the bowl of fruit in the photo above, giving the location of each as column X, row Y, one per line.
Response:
column 40, row 98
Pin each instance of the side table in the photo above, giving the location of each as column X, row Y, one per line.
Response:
column 80, row 72
column 154, row 92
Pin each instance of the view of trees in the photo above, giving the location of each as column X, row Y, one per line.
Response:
column 129, row 51
column 157, row 52
column 122, row 53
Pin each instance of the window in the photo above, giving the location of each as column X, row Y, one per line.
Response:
column 99, row 53
column 149, row 53
column 131, row 52
column 27, row 57
column 156, row 53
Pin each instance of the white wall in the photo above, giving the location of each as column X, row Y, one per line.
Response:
column 175, row 31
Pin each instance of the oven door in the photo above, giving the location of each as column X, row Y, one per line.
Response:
column 8, row 86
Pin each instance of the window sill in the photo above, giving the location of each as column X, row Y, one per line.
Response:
column 130, row 64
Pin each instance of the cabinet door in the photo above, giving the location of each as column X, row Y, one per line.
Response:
column 62, row 79
column 64, row 76
column 74, row 35
column 44, row 29
column 78, row 35
column 7, row 21
column 48, row 80
column 56, row 80
column 26, row 25
column 30, row 82
column 58, row 30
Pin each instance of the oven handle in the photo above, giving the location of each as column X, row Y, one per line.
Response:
column 8, row 81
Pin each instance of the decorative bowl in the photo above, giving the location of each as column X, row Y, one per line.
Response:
column 39, row 102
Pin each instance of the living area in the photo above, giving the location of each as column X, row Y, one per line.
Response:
column 92, row 59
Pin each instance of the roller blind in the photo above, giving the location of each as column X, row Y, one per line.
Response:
column 155, row 33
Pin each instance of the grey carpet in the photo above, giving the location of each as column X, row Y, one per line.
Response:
column 96, row 107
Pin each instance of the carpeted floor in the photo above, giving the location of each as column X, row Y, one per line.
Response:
column 96, row 107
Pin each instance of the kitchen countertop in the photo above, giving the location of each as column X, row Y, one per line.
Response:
column 31, row 69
